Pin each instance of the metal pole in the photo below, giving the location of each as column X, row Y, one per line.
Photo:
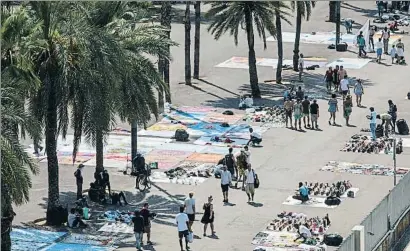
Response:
column 337, row 22
column 394, row 160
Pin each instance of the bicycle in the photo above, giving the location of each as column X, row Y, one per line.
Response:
column 144, row 180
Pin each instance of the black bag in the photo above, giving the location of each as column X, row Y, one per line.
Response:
column 350, row 194
column 379, row 131
column 115, row 198
column 228, row 160
column 257, row 182
column 408, row 95
column 402, row 127
column 181, row 135
column 224, row 124
column 341, row 47
column 332, row 201
column 333, row 240
column 227, row 112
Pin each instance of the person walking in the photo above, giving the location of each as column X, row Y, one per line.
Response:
column 288, row 106
column 372, row 118
column 385, row 36
column 138, row 222
column 358, row 91
column 400, row 51
column 393, row 114
column 393, row 53
column 347, row 108
column 190, row 208
column 147, row 215
column 301, row 64
column 329, row 79
column 226, row 179
column 300, row 94
column 229, row 161
column 242, row 163
column 250, row 183
column 78, row 174
column 333, row 109
column 297, row 114
column 336, row 79
column 344, row 86
column 209, row 216
column 362, row 43
column 342, row 73
column 371, row 37
column 305, row 111
column 184, row 229
column 314, row 113
column 379, row 50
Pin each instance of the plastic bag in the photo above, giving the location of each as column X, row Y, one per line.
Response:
column 190, row 237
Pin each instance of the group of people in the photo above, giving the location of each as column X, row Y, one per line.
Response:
column 388, row 119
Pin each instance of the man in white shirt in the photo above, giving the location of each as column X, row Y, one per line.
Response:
column 386, row 121
column 303, row 232
column 301, row 65
column 226, row 180
column 190, row 208
column 250, row 183
column 183, row 227
column 372, row 118
column 344, row 86
column 255, row 139
column 248, row 155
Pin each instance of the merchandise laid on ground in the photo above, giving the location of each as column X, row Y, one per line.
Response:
column 281, row 233
column 242, row 62
column 28, row 239
column 366, row 169
column 117, row 222
column 359, row 143
column 268, row 116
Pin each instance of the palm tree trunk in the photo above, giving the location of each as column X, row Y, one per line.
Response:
column 253, row 72
column 7, row 216
column 188, row 44
column 161, row 65
column 51, row 149
column 280, row 47
column 197, row 38
column 134, row 139
column 166, row 8
column 297, row 39
column 99, row 150
column 337, row 23
column 332, row 11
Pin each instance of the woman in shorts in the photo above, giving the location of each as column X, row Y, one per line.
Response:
column 333, row 109
column 347, row 108
column 358, row 91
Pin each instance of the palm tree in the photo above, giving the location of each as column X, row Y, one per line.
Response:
column 332, row 11
column 303, row 10
column 197, row 38
column 166, row 22
column 230, row 16
column 187, row 22
column 280, row 9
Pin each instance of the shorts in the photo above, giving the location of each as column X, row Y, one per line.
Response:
column 313, row 117
column 250, row 188
column 305, row 115
column 191, row 217
column 358, row 93
column 379, row 51
column 241, row 171
column 345, row 92
column 297, row 116
column 184, row 233
column 225, row 188
column 147, row 229
column 288, row 113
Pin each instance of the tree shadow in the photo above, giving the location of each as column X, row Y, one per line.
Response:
column 221, row 88
column 366, row 12
column 204, row 91
column 233, row 103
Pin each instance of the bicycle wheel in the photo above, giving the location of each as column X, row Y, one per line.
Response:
column 148, row 182
column 142, row 183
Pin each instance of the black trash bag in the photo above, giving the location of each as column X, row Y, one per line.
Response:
column 379, row 131
column 228, row 112
column 332, row 201
column 402, row 127
column 181, row 135
column 408, row 95
column 332, row 240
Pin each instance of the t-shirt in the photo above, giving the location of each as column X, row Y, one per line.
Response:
column 379, row 45
column 385, row 34
column 301, row 62
column 248, row 156
column 305, row 105
column 78, row 176
column 373, row 117
column 146, row 214
column 344, row 84
column 305, row 231
column 332, row 103
column 226, row 177
column 138, row 224
column 361, row 41
column 329, row 75
column 71, row 217
column 250, row 176
column 358, row 87
column 288, row 105
column 297, row 108
column 182, row 219
column 189, row 205
column 256, row 135
column 393, row 52
column 314, row 108
column 300, row 95
column 303, row 191
column 385, row 116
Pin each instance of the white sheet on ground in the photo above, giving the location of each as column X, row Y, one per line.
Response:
column 350, row 63
column 313, row 202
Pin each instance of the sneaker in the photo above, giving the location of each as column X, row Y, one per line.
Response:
column 149, row 243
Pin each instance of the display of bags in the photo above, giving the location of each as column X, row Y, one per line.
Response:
column 333, row 240
column 402, row 127
column 332, row 201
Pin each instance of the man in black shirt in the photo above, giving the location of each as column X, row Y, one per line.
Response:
column 314, row 113
column 138, row 222
column 79, row 181
column 147, row 215
column 305, row 111
column 229, row 161
column 299, row 93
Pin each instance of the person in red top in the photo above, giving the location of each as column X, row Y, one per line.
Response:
column 329, row 79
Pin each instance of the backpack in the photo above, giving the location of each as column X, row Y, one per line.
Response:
column 402, row 127
column 257, row 182
column 408, row 95
column 228, row 160
column 181, row 135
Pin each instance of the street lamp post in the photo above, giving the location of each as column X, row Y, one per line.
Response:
column 394, row 160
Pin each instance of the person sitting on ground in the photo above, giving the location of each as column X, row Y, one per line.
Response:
column 74, row 220
column 303, row 192
column 255, row 139
column 303, row 231
column 96, row 193
column 106, row 181
column 386, row 121
column 116, row 198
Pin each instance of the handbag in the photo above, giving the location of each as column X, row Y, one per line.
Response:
column 190, row 237
column 256, row 183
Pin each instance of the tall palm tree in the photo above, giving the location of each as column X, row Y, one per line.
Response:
column 332, row 11
column 303, row 10
column 231, row 16
column 197, row 38
column 187, row 23
column 166, row 9
column 280, row 10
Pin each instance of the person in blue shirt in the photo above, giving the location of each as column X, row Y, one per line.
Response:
column 361, row 42
column 372, row 118
column 304, row 192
